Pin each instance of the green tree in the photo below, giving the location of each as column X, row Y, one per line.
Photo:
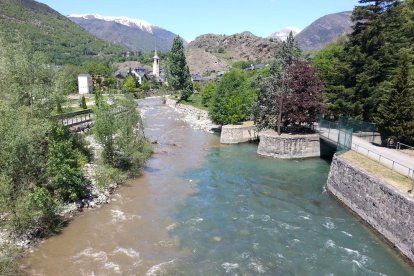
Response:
column 269, row 107
column 233, row 99
column 105, row 129
column 395, row 118
column 68, row 79
column 334, row 72
column 65, row 163
column 97, row 69
column 130, row 83
column 208, row 92
column 123, row 147
column 361, row 75
column 179, row 73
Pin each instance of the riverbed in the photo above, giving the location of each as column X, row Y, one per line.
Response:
column 201, row 208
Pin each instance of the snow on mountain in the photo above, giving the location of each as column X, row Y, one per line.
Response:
column 284, row 33
column 126, row 21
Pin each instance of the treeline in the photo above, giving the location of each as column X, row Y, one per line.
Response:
column 41, row 162
column 369, row 75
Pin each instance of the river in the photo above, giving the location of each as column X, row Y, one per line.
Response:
column 202, row 208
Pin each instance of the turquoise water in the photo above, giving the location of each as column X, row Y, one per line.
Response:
column 252, row 216
column 201, row 208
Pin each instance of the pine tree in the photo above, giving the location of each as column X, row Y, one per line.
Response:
column 179, row 73
column 334, row 71
column 395, row 118
column 368, row 55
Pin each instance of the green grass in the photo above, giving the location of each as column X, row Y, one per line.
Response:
column 195, row 100
column 394, row 178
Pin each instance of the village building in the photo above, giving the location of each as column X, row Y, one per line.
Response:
column 142, row 73
column 85, row 84
column 198, row 78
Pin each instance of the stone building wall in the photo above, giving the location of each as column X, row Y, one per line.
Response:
column 385, row 208
column 234, row 134
column 288, row 146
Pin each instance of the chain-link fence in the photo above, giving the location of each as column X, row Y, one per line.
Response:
column 361, row 129
column 337, row 133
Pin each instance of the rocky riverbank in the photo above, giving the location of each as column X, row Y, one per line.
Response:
column 97, row 196
column 195, row 117
column 95, row 199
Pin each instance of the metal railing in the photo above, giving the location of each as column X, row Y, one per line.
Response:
column 398, row 147
column 337, row 133
column 392, row 164
column 75, row 118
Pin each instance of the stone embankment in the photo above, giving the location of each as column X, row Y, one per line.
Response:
column 286, row 146
column 388, row 210
column 235, row 134
column 195, row 117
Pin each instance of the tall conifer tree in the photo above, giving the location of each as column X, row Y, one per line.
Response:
column 179, row 73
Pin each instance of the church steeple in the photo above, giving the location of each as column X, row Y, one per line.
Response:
column 156, row 65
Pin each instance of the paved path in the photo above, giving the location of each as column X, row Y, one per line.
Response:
column 391, row 158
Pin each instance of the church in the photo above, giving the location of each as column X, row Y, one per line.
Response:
column 142, row 73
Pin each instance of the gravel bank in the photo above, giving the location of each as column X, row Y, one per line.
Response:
column 196, row 118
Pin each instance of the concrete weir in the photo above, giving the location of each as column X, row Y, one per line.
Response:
column 235, row 134
column 286, row 146
column 388, row 210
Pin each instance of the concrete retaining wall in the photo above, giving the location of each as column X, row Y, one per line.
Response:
column 234, row 134
column 385, row 208
column 288, row 146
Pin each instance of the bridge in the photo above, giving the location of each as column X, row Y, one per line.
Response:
column 81, row 120
column 77, row 121
column 343, row 137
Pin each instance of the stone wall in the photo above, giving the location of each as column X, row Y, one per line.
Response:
column 234, row 134
column 385, row 208
column 288, row 146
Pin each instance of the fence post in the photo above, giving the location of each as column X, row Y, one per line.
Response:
column 412, row 187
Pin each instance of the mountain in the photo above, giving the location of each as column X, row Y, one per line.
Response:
column 324, row 30
column 284, row 33
column 135, row 34
column 211, row 52
column 52, row 33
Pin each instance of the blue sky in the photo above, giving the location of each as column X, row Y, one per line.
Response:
column 190, row 18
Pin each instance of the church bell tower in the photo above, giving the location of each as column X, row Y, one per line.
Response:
column 156, row 65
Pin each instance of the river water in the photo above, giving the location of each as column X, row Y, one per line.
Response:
column 202, row 208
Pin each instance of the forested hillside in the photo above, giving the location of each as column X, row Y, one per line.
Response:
column 52, row 33
column 370, row 75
